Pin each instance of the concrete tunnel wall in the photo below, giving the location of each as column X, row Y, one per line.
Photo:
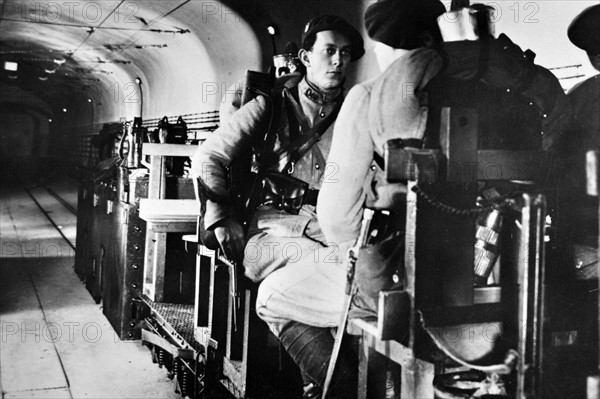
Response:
column 193, row 71
column 198, row 70
column 189, row 73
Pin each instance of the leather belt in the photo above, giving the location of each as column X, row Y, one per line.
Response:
column 310, row 197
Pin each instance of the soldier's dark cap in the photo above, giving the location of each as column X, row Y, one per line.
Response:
column 584, row 31
column 399, row 23
column 333, row 22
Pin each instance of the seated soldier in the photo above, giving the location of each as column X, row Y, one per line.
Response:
column 578, row 221
column 301, row 293
column 394, row 105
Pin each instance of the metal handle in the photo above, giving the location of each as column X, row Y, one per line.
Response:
column 234, row 287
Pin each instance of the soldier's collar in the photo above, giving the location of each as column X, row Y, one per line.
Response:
column 311, row 91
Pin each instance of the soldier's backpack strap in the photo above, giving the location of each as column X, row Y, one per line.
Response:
column 301, row 143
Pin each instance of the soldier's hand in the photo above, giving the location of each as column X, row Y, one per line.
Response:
column 497, row 62
column 508, row 67
column 230, row 235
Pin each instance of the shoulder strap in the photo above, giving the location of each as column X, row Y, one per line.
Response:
column 277, row 107
column 268, row 140
column 300, row 145
column 297, row 121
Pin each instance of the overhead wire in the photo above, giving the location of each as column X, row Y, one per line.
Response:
column 94, row 28
column 130, row 42
column 132, row 39
column 565, row 66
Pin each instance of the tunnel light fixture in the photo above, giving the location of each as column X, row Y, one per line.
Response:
column 11, row 66
column 89, row 100
column 272, row 31
column 43, row 78
column 49, row 120
column 64, row 110
column 138, row 80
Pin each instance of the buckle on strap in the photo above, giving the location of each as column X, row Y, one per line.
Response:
column 291, row 168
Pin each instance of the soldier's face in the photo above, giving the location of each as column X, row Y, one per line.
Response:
column 327, row 61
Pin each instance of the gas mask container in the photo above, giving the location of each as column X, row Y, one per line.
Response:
column 133, row 135
column 285, row 64
column 173, row 133
column 487, row 245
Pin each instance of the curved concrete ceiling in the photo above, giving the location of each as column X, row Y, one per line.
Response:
column 84, row 56
column 74, row 54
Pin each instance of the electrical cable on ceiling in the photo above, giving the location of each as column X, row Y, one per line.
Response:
column 91, row 32
column 145, row 29
column 168, row 13
column 132, row 38
column 105, row 62
column 571, row 77
column 129, row 43
column 566, row 66
column 179, row 30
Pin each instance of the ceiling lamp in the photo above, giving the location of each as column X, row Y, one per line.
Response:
column 272, row 32
column 11, row 66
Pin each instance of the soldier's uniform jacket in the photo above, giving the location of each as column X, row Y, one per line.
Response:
column 246, row 128
column 394, row 106
column 386, row 107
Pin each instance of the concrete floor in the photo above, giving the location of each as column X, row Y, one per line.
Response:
column 54, row 340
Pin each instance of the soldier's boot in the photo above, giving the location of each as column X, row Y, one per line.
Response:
column 310, row 348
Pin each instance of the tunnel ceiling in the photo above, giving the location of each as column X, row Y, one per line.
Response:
column 60, row 47
column 73, row 47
